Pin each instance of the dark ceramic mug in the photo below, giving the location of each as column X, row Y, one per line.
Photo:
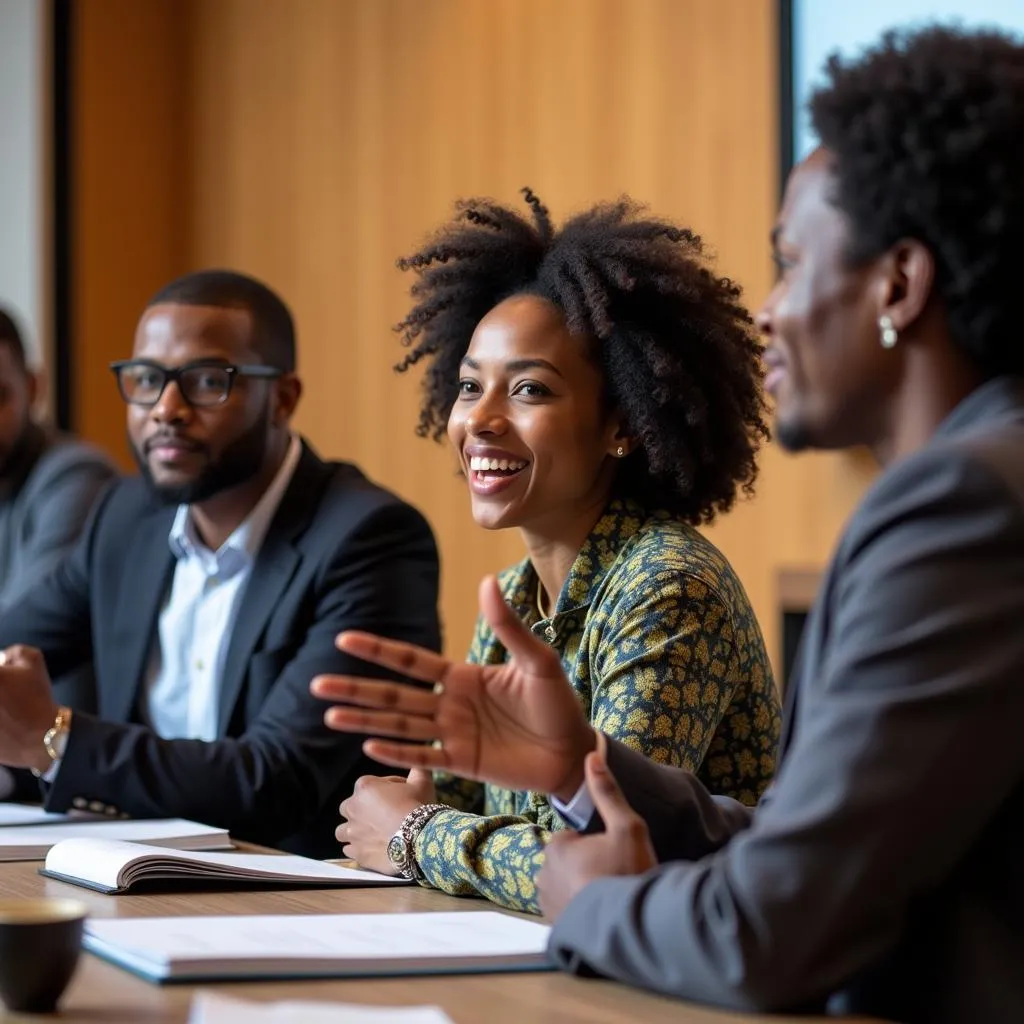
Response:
column 40, row 940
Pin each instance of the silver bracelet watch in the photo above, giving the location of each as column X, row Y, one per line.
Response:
column 402, row 845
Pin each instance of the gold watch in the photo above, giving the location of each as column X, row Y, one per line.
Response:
column 55, row 739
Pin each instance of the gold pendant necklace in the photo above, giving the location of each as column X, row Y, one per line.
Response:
column 540, row 600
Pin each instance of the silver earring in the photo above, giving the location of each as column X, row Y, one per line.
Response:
column 888, row 332
column 620, row 451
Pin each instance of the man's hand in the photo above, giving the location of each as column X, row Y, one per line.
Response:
column 374, row 812
column 27, row 708
column 517, row 725
column 572, row 861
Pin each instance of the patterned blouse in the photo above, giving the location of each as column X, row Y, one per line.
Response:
column 657, row 637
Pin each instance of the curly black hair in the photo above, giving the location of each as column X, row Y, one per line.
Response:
column 680, row 359
column 927, row 132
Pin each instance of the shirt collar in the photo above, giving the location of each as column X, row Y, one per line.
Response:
column 621, row 519
column 248, row 536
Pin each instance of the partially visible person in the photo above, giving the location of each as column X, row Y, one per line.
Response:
column 601, row 390
column 881, row 873
column 209, row 590
column 48, row 481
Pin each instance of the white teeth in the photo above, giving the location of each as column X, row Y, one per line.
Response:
column 483, row 465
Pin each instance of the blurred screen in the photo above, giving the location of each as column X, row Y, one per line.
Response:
column 24, row 194
column 820, row 27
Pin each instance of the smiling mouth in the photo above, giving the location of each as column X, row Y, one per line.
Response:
column 487, row 476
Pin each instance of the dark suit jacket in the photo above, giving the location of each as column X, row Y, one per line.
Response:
column 881, row 873
column 341, row 553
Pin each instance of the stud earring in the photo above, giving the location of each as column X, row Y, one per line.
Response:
column 888, row 332
column 620, row 451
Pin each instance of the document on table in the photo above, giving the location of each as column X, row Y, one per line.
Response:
column 33, row 842
column 28, row 814
column 209, row 1008
column 319, row 945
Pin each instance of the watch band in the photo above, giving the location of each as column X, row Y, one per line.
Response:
column 402, row 847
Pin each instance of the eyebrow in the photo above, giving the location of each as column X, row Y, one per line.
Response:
column 518, row 365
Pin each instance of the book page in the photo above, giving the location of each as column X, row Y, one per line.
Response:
column 288, row 937
column 115, row 863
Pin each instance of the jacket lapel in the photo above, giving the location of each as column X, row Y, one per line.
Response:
column 275, row 565
column 148, row 566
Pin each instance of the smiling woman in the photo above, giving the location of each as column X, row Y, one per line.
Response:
column 602, row 391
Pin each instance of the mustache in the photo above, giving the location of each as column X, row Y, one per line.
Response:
column 158, row 440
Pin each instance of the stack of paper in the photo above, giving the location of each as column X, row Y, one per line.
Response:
column 33, row 842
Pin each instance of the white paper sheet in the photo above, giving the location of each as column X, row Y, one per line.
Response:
column 27, row 814
column 294, row 937
column 33, row 841
column 208, row 1008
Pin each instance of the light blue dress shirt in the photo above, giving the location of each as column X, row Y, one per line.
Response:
column 182, row 689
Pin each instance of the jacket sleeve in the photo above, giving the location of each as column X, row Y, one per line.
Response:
column 920, row 675
column 73, row 478
column 271, row 780
column 664, row 666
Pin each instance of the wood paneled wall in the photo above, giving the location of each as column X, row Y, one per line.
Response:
column 129, row 203
column 323, row 138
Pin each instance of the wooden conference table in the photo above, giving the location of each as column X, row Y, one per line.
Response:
column 102, row 992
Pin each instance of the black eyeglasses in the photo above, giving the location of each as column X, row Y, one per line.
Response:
column 200, row 383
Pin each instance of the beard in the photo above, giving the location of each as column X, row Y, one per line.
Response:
column 792, row 434
column 238, row 463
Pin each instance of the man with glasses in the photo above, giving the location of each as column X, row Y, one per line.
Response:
column 209, row 592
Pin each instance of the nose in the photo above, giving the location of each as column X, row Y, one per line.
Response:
column 764, row 318
column 487, row 416
column 170, row 407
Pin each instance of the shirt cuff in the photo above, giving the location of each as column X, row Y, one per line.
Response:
column 51, row 773
column 579, row 811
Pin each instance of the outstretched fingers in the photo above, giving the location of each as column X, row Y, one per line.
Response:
column 410, row 660
column 381, row 723
column 407, row 755
column 374, row 693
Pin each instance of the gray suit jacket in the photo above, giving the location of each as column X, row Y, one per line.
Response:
column 45, row 507
column 881, row 873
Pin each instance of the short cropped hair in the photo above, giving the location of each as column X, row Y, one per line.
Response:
column 273, row 326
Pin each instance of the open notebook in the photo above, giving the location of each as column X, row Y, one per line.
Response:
column 318, row 945
column 114, row 867
column 33, row 842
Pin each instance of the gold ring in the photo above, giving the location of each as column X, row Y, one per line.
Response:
column 438, row 744
column 438, row 689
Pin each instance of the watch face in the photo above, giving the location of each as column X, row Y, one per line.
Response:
column 396, row 850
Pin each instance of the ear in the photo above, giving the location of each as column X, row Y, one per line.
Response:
column 907, row 283
column 287, row 392
column 619, row 437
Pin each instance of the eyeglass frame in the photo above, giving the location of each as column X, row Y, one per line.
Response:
column 173, row 373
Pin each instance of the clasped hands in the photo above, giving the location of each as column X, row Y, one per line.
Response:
column 517, row 725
